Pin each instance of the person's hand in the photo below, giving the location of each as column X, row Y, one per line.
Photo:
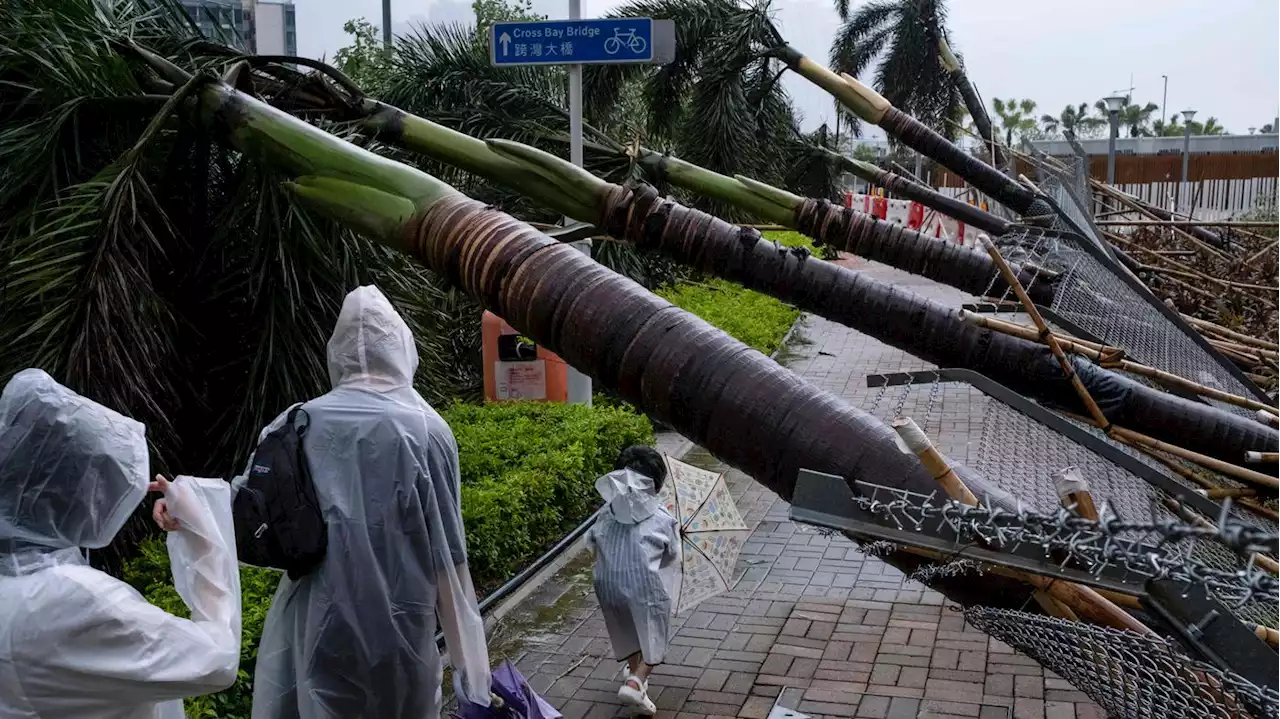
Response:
column 160, row 511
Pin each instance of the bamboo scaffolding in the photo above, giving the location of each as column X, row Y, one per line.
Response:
column 1080, row 600
column 1230, row 334
column 1095, row 414
column 1124, row 199
column 1190, row 476
column 1182, row 223
column 1111, row 358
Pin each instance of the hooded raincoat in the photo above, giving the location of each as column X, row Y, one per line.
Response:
column 75, row 642
column 636, row 543
column 356, row 637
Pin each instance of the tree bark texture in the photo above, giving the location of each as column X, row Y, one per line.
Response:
column 897, row 246
column 929, row 330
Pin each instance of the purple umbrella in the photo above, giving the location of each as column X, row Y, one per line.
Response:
column 519, row 700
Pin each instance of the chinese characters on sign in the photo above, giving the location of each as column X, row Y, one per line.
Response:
column 564, row 49
column 568, row 42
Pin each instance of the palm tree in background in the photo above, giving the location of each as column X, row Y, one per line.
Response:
column 1136, row 118
column 1017, row 117
column 1074, row 119
column 904, row 36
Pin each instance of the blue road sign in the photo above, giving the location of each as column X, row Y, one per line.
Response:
column 568, row 42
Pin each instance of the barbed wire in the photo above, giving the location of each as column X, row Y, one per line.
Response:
column 1141, row 548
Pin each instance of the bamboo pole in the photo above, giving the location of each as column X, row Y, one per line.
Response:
column 1190, row 476
column 1183, row 223
column 1045, row 334
column 1265, row 250
column 1230, row 334
column 1217, row 465
column 1081, row 600
column 1268, row 418
column 1129, row 202
column 1262, row 457
column 914, row 440
column 1073, row 492
column 1108, row 357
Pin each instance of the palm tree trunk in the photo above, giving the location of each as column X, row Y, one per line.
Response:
column 719, row 393
column 874, row 108
column 846, row 230
column 927, row 196
column 972, row 103
column 926, row 329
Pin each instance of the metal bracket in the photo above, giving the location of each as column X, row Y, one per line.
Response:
column 1220, row 640
column 1102, row 448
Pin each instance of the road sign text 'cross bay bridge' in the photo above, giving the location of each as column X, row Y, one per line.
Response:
column 585, row 42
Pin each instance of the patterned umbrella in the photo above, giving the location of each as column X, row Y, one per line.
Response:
column 711, row 532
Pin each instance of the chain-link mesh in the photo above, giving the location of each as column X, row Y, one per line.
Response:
column 993, row 427
column 1127, row 674
column 1140, row 550
column 1093, row 297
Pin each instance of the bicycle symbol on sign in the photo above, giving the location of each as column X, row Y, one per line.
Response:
column 633, row 43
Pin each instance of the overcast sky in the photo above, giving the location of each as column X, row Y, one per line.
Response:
column 1221, row 57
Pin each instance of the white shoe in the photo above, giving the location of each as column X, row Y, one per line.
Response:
column 634, row 694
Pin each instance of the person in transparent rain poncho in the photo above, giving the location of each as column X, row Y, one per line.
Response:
column 75, row 642
column 356, row 637
column 635, row 541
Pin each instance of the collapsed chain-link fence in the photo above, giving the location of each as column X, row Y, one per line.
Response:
column 1092, row 296
column 1141, row 551
column 1127, row 674
column 991, row 427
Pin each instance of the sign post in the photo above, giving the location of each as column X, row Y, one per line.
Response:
column 575, row 42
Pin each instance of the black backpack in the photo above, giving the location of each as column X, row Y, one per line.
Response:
column 277, row 516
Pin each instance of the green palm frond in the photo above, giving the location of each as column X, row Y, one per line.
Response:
column 900, row 38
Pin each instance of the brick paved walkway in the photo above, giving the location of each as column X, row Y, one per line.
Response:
column 811, row 624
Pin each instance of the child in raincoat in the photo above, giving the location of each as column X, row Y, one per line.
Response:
column 636, row 546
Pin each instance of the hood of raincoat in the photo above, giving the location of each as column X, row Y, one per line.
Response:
column 371, row 345
column 629, row 494
column 71, row 470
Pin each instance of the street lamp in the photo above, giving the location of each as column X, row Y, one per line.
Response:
column 1186, row 153
column 1114, row 103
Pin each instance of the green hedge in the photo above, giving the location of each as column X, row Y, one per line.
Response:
column 754, row 319
column 528, row 477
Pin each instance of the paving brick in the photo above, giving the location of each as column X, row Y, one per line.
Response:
column 948, row 690
column 756, row 708
column 945, row 658
column 1027, row 708
column 712, row 679
column 739, row 682
column 823, row 709
column 1032, row 687
column 672, row 698
column 913, row 677
column 903, row 708
column 930, row 708
column 873, row 707
column 994, row 712
column 803, row 668
column 1059, row 710
column 885, row 674
column 777, row 664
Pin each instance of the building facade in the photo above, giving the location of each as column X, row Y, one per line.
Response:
column 263, row 27
column 275, row 28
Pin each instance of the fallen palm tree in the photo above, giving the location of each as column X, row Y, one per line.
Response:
column 828, row 224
